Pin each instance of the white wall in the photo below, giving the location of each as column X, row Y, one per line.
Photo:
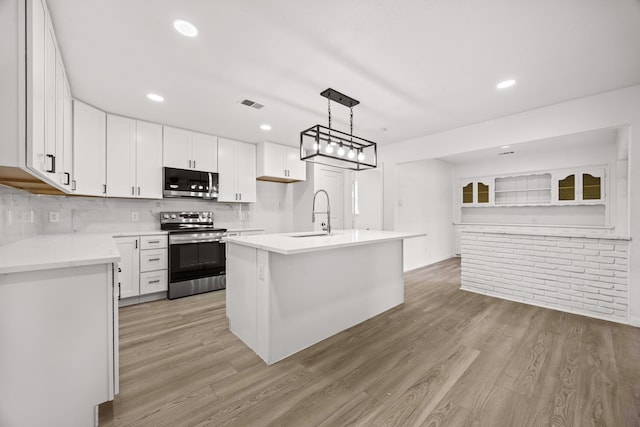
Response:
column 273, row 209
column 610, row 109
column 424, row 204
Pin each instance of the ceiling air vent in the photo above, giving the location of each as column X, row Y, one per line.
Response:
column 250, row 103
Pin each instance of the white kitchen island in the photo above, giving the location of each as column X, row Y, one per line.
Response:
column 286, row 293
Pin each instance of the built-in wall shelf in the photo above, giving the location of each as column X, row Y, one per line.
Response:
column 576, row 186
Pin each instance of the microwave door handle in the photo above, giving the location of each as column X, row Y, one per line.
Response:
column 210, row 183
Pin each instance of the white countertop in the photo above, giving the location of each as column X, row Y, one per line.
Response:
column 243, row 230
column 287, row 245
column 49, row 251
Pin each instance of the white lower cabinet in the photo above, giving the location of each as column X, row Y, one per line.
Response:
column 129, row 266
column 143, row 268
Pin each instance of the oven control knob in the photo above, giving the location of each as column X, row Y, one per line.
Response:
column 208, row 214
column 173, row 216
column 165, row 216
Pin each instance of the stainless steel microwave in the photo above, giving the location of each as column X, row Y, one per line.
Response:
column 190, row 183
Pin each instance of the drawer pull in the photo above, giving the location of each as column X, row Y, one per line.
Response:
column 154, row 281
column 154, row 241
column 154, row 259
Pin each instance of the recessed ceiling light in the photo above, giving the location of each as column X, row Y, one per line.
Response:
column 155, row 97
column 505, row 146
column 185, row 28
column 265, row 127
column 505, row 84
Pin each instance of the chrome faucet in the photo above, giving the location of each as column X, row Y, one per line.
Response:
column 328, row 212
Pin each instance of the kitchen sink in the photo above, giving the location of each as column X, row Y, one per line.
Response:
column 312, row 234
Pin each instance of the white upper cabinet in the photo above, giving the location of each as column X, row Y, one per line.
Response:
column 121, row 156
column 279, row 163
column 66, row 173
column 237, row 171
column 176, row 148
column 148, row 160
column 184, row 149
column 49, row 106
column 89, row 150
column 204, row 152
column 579, row 186
column 134, row 158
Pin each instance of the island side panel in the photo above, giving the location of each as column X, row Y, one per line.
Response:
column 61, row 317
column 241, row 293
column 317, row 294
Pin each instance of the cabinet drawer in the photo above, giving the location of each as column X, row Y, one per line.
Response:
column 153, row 281
column 153, row 259
column 153, row 242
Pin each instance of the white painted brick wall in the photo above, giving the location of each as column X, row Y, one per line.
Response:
column 581, row 275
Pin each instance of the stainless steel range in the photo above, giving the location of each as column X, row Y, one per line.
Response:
column 197, row 258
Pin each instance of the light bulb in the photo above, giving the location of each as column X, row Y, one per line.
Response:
column 315, row 146
column 360, row 156
column 341, row 150
column 329, row 148
column 351, row 153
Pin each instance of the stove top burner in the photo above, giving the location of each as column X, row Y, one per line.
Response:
column 188, row 222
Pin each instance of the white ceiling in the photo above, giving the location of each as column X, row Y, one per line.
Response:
column 417, row 66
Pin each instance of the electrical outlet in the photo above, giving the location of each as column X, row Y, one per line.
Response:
column 54, row 216
column 135, row 216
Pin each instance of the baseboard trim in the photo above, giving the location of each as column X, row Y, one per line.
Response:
column 431, row 262
column 551, row 307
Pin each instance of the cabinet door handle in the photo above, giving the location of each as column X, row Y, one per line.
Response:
column 104, row 188
column 194, row 164
column 119, row 291
column 67, row 180
column 154, row 259
column 73, row 185
column 53, row 163
column 136, row 243
column 189, row 164
column 138, row 191
column 119, row 270
column 133, row 191
column 154, row 281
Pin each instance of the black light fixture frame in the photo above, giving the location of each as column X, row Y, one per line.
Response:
column 322, row 134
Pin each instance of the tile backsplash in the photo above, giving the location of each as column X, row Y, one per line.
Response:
column 24, row 215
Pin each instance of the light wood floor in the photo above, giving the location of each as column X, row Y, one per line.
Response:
column 444, row 358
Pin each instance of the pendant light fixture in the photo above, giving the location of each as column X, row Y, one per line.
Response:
column 328, row 146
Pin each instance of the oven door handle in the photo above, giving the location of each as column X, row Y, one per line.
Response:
column 188, row 241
